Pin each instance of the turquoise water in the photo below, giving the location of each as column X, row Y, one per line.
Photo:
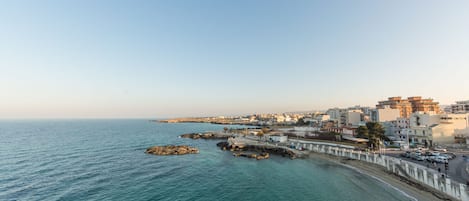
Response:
column 105, row 160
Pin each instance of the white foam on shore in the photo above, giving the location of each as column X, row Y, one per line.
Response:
column 382, row 181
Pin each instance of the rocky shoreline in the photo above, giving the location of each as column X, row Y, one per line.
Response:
column 172, row 150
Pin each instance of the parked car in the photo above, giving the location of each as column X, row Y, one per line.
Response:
column 452, row 155
column 431, row 158
column 416, row 155
column 420, row 158
column 441, row 160
column 439, row 149
column 406, row 154
column 448, row 156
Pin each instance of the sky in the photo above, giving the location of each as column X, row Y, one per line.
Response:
column 158, row 59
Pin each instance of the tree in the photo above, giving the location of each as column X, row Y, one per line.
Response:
column 362, row 132
column 375, row 134
column 265, row 130
column 260, row 134
column 301, row 122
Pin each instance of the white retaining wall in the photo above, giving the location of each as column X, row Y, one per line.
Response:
column 419, row 173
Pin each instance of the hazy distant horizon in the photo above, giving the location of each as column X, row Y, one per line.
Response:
column 164, row 59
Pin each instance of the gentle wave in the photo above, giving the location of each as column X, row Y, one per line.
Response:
column 105, row 160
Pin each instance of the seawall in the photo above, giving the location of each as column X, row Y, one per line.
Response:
column 412, row 171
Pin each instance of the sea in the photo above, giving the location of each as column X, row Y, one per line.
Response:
column 106, row 160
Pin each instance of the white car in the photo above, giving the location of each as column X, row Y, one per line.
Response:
column 439, row 149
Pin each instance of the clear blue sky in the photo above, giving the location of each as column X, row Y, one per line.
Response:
column 118, row 59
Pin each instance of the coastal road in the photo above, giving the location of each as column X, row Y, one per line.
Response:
column 457, row 166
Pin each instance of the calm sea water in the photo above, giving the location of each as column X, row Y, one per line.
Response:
column 105, row 160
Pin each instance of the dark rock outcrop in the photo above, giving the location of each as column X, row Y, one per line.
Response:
column 205, row 136
column 257, row 148
column 263, row 155
column 172, row 150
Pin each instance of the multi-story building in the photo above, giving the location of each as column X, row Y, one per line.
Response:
column 423, row 105
column 403, row 105
column 351, row 116
column 399, row 128
column 334, row 113
column 430, row 129
column 461, row 107
column 408, row 106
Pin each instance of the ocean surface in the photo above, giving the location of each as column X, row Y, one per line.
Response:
column 105, row 160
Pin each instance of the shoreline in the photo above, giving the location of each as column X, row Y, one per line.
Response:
column 410, row 189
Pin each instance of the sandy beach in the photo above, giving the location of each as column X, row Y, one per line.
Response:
column 409, row 188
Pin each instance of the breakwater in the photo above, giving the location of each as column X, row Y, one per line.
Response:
column 415, row 172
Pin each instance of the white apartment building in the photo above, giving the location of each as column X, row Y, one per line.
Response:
column 399, row 128
column 334, row 113
column 461, row 107
column 432, row 129
column 346, row 117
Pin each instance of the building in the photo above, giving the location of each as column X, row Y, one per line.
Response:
column 334, row 113
column 429, row 128
column 322, row 117
column 447, row 130
column 348, row 117
column 353, row 118
column 278, row 138
column 423, row 105
column 403, row 105
column 408, row 106
column 399, row 128
column 387, row 114
column 461, row 107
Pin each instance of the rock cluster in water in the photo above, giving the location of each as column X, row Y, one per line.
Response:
column 256, row 148
column 172, row 150
column 205, row 136
column 263, row 155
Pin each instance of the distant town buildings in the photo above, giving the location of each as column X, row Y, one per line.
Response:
column 414, row 120
column 352, row 116
column 461, row 107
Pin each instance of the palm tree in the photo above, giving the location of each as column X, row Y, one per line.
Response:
column 362, row 132
column 375, row 134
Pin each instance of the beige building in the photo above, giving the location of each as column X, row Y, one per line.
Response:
column 387, row 114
